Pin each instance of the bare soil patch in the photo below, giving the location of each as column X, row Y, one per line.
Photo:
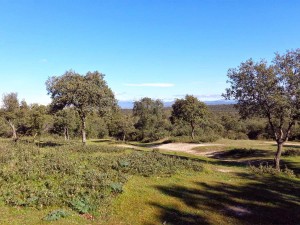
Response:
column 187, row 148
column 285, row 144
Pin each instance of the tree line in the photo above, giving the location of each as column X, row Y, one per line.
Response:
column 268, row 101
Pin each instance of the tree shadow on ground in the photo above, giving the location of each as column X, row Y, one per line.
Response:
column 172, row 215
column 241, row 153
column 47, row 144
column 295, row 166
column 263, row 200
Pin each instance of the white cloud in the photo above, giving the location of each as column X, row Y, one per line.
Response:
column 151, row 85
column 202, row 96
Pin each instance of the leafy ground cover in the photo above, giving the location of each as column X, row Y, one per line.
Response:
column 104, row 184
column 84, row 179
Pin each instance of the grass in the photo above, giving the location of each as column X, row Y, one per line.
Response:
column 210, row 198
column 225, row 191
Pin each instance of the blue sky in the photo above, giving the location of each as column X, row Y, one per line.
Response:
column 159, row 49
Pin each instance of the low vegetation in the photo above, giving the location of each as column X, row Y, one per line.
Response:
column 101, row 183
column 75, row 176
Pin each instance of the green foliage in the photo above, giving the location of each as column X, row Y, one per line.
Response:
column 270, row 170
column 38, row 121
column 5, row 130
column 76, row 176
column 12, row 112
column 152, row 123
column 154, row 163
column 81, row 205
column 189, row 110
column 66, row 123
column 121, row 125
column 92, row 148
column 269, row 91
column 116, row 187
column 96, row 127
column 56, row 215
column 86, row 94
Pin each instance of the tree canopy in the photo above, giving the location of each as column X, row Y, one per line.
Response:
column 11, row 112
column 269, row 91
column 152, row 121
column 189, row 110
column 86, row 93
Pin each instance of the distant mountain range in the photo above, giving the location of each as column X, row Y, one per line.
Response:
column 129, row 104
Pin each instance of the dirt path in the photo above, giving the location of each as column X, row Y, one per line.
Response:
column 179, row 147
column 285, row 144
column 187, row 148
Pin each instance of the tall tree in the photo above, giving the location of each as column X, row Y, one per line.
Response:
column 151, row 118
column 269, row 91
column 121, row 125
column 86, row 93
column 189, row 110
column 11, row 112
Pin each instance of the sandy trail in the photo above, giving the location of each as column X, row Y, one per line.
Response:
column 187, row 148
column 180, row 147
column 285, row 144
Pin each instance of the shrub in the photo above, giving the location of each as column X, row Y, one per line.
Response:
column 56, row 215
column 291, row 153
column 267, row 169
column 63, row 176
column 116, row 187
column 154, row 163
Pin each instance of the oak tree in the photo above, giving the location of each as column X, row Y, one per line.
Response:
column 151, row 119
column 269, row 91
column 189, row 110
column 86, row 93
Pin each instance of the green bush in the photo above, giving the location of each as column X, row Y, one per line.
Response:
column 270, row 170
column 154, row 163
column 65, row 177
column 56, row 215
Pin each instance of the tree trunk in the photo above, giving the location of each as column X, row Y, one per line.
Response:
column 66, row 133
column 124, row 137
column 14, row 131
column 278, row 154
column 83, row 130
column 34, row 136
column 193, row 130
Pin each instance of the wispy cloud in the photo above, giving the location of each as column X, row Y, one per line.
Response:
column 151, row 85
column 208, row 96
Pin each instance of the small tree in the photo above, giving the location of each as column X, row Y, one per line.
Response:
column 38, row 120
column 85, row 93
column 11, row 112
column 189, row 110
column 65, row 122
column 269, row 91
